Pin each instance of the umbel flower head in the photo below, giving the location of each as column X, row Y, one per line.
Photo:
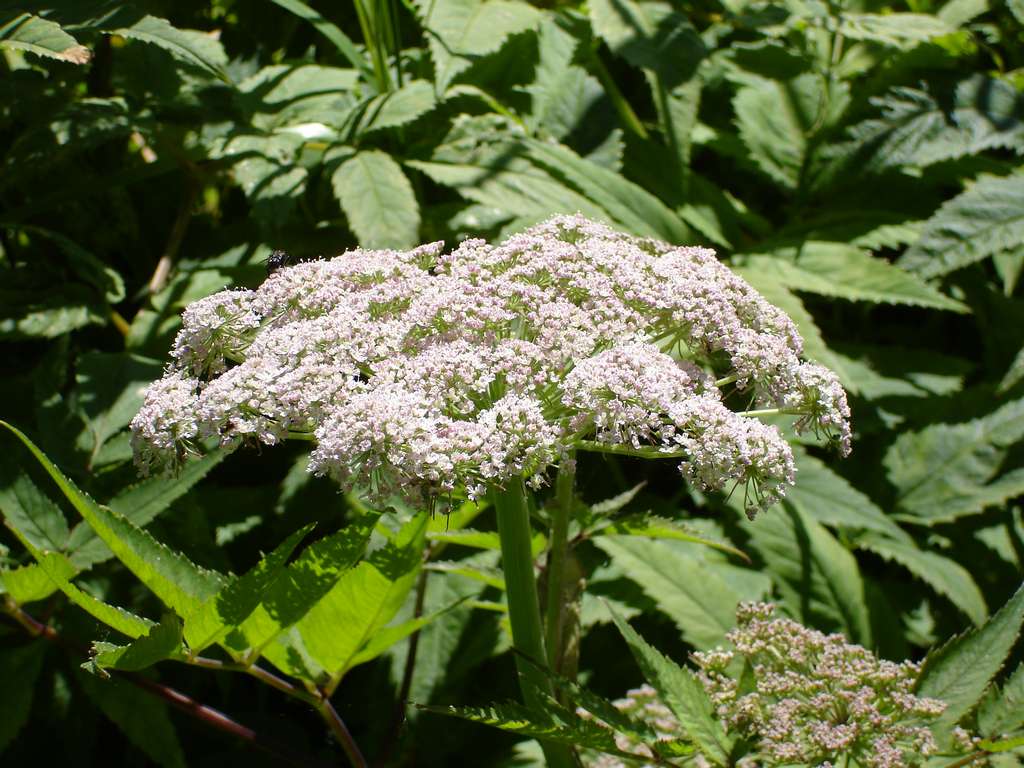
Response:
column 812, row 698
column 422, row 373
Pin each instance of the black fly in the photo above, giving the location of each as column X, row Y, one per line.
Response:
column 278, row 259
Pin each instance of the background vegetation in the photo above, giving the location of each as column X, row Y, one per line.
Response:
column 858, row 162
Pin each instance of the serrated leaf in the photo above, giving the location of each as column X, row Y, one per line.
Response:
column 28, row 510
column 162, row 641
column 1015, row 373
column 19, row 669
column 189, row 46
column 378, row 200
column 226, row 610
column 28, row 583
column 26, row 32
column 986, row 218
column 140, row 504
column 648, row 526
column 946, row 471
column 1003, row 710
column 687, row 589
column 304, row 583
column 616, row 503
column 562, row 91
column 515, row 718
column 944, row 575
column 679, row 688
column 361, row 603
column 177, row 581
column 141, row 717
column 460, row 31
column 283, row 95
column 959, row 672
column 816, row 575
column 918, row 128
column 398, row 107
column 898, row 30
column 490, row 576
column 845, row 272
column 468, row 537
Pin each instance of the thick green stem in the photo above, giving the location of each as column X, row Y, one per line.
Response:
column 561, row 514
column 523, row 605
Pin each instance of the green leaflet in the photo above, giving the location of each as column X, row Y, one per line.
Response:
column 181, row 584
column 378, row 200
column 685, row 587
column 960, row 671
column 559, row 726
column 19, row 668
column 399, row 107
column 986, row 218
column 1002, row 710
column 648, row 526
column 140, row 504
column 28, row 583
column 898, row 30
column 468, row 537
column 162, row 641
column 29, row 511
column 226, row 610
column 845, row 272
column 679, row 688
column 281, row 96
column 302, row 585
column 943, row 574
column 25, row 32
column 816, row 575
column 188, row 46
column 1015, row 373
column 344, row 622
column 461, row 31
column 947, row 471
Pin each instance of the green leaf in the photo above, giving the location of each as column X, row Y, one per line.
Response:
column 303, row 584
column 226, row 610
column 918, row 128
column 515, row 718
column 817, row 577
column 898, row 30
column 361, row 603
column 959, row 672
column 944, row 575
column 946, row 471
column 142, row 717
column 680, row 689
column 988, row 217
column 60, row 570
column 189, row 46
column 648, row 526
column 162, row 641
column 490, row 576
column 1015, row 373
column 628, row 204
column 28, row 510
column 775, row 120
column 562, row 91
column 378, row 200
column 140, row 504
column 284, row 96
column 845, row 272
column 331, row 31
column 26, row 32
column 267, row 170
column 399, row 107
column 685, row 587
column 19, row 669
column 181, row 584
column 468, row 537
column 1003, row 711
column 459, row 32
column 29, row 583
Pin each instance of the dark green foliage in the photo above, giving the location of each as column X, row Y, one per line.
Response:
column 859, row 163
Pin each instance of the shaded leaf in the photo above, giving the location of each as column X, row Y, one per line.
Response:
column 162, row 641
column 189, row 46
column 28, row 510
column 26, row 32
column 378, row 200
column 331, row 31
column 1003, row 710
column 19, row 669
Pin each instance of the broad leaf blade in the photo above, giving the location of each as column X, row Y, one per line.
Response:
column 189, row 46
column 378, row 200
column 42, row 37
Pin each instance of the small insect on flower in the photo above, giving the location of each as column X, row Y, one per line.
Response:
column 278, row 259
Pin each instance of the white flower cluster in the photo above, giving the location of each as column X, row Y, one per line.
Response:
column 816, row 699
column 421, row 372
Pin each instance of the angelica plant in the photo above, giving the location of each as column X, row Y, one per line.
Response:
column 425, row 375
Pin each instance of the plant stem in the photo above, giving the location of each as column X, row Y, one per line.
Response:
column 341, row 733
column 524, row 607
column 626, row 113
column 564, row 485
